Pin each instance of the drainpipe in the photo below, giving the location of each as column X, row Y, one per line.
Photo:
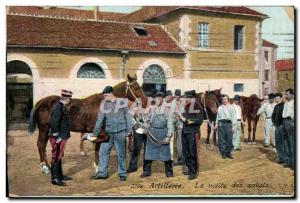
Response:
column 96, row 8
column 260, row 54
column 124, row 54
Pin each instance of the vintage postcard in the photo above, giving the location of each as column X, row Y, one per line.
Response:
column 150, row 101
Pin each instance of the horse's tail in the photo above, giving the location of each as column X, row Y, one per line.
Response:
column 32, row 122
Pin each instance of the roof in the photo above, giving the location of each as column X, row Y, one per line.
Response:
column 29, row 31
column 63, row 12
column 266, row 43
column 284, row 64
column 151, row 12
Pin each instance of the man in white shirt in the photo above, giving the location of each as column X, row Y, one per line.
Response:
column 236, row 140
column 289, row 127
column 267, row 110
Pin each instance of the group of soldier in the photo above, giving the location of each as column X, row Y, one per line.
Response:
column 168, row 120
column 279, row 125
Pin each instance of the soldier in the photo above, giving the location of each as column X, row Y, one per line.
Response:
column 59, row 133
column 161, row 128
column 239, row 121
column 277, row 121
column 288, row 126
column 139, row 139
column 267, row 110
column 179, row 108
column 117, row 123
column 191, row 118
column 225, row 123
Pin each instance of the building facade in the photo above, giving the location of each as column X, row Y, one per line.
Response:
column 222, row 45
column 268, row 71
column 285, row 71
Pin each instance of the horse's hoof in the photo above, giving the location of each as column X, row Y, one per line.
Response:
column 45, row 170
column 82, row 153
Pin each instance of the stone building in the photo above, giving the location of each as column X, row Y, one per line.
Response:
column 183, row 47
column 285, row 69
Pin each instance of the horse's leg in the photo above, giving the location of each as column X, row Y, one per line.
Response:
column 208, row 132
column 249, row 131
column 96, row 162
column 81, row 145
column 254, row 129
column 42, row 144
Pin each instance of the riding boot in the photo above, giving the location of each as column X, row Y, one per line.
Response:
column 61, row 174
column 169, row 168
column 55, row 175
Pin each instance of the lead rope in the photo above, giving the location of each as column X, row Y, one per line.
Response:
column 203, row 101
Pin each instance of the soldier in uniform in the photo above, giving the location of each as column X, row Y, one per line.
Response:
column 191, row 118
column 289, row 126
column 139, row 139
column 267, row 110
column 178, row 108
column 161, row 127
column 225, row 123
column 239, row 121
column 277, row 121
column 114, row 115
column 59, row 133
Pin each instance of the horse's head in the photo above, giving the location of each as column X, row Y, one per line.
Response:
column 213, row 100
column 130, row 89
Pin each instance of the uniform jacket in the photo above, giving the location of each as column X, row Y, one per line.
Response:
column 195, row 118
column 114, row 119
column 277, row 114
column 60, row 121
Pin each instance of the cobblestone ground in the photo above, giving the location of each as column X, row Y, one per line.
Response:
column 252, row 172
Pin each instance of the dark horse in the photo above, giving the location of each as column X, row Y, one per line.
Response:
column 250, row 106
column 83, row 114
column 210, row 101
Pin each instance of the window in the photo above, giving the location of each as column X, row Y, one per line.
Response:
column 267, row 74
column 90, row 70
column 154, row 74
column 140, row 31
column 267, row 56
column 238, row 87
column 238, row 37
column 203, row 35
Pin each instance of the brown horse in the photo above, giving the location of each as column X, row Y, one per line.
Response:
column 250, row 106
column 83, row 114
column 210, row 101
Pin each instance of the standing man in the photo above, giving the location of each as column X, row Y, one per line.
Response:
column 168, row 105
column 288, row 126
column 191, row 118
column 267, row 109
column 161, row 128
column 277, row 121
column 225, row 123
column 178, row 108
column 139, row 139
column 239, row 121
column 114, row 115
column 59, row 133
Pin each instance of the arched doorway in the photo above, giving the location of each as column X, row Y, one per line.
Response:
column 154, row 79
column 19, row 93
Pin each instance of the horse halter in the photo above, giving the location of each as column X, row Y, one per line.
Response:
column 203, row 101
column 128, row 87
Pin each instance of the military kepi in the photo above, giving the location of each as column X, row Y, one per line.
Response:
column 177, row 92
column 191, row 93
column 169, row 93
column 107, row 90
column 66, row 93
column 159, row 94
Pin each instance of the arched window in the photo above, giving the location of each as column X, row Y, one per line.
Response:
column 154, row 74
column 90, row 70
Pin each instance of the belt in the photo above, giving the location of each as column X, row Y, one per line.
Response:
column 287, row 118
column 268, row 118
column 238, row 119
column 225, row 121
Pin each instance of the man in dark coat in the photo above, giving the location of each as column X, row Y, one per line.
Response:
column 192, row 118
column 277, row 122
column 59, row 133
